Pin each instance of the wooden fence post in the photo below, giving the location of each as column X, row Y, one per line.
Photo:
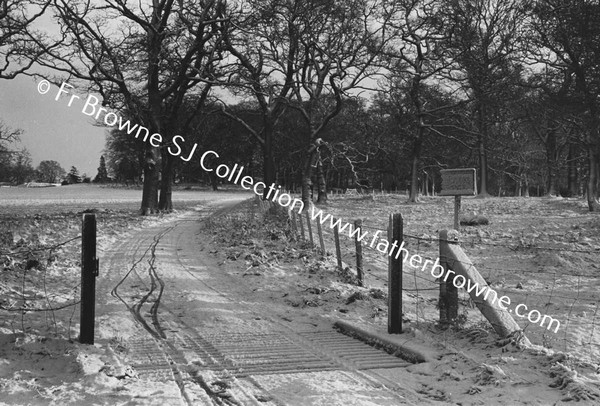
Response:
column 308, row 225
column 89, row 272
column 338, row 250
column 448, row 302
column 301, row 227
column 320, row 233
column 359, row 256
column 395, row 233
column 294, row 224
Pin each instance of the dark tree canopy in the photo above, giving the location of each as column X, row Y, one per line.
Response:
column 315, row 95
column 50, row 172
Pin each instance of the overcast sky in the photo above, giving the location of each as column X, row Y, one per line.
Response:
column 52, row 131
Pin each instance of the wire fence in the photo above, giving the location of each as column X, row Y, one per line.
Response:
column 39, row 292
column 570, row 297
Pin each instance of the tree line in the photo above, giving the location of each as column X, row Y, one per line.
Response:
column 315, row 94
column 16, row 165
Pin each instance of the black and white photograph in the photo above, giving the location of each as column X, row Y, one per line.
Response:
column 299, row 202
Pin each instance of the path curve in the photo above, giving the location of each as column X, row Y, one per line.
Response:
column 177, row 313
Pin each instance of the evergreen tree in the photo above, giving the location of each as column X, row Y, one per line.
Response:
column 73, row 176
column 102, row 176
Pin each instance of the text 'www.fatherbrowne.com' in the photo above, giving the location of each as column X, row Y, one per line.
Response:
column 92, row 107
column 437, row 271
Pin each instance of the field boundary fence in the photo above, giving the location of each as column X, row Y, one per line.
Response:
column 427, row 299
column 30, row 286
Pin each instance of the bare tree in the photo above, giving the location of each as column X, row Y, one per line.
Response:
column 306, row 55
column 264, row 41
column 144, row 59
column 550, row 112
column 484, row 36
column 19, row 48
column 8, row 135
column 565, row 35
column 19, row 51
column 22, row 170
column 339, row 46
column 415, row 60
column 50, row 172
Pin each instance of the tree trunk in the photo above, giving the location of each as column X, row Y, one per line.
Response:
column 269, row 175
column 415, row 95
column 165, row 202
column 321, row 182
column 592, row 189
column 551, row 162
column 150, row 191
column 213, row 181
column 310, row 162
column 481, row 141
column 572, row 172
column 426, row 184
column 306, row 189
column 414, row 176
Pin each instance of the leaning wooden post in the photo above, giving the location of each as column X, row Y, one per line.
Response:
column 493, row 308
column 395, row 234
column 448, row 302
column 359, row 256
column 89, row 272
column 338, row 249
column 320, row 233
column 308, row 225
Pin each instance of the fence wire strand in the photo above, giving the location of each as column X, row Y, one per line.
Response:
column 25, row 291
column 425, row 290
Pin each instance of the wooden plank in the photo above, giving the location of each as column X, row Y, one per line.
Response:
column 500, row 319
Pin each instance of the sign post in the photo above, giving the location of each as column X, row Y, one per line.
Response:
column 457, row 183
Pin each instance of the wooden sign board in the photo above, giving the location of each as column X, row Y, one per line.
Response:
column 458, row 182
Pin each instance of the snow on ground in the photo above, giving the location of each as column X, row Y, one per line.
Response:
column 475, row 366
column 40, row 363
column 540, row 252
